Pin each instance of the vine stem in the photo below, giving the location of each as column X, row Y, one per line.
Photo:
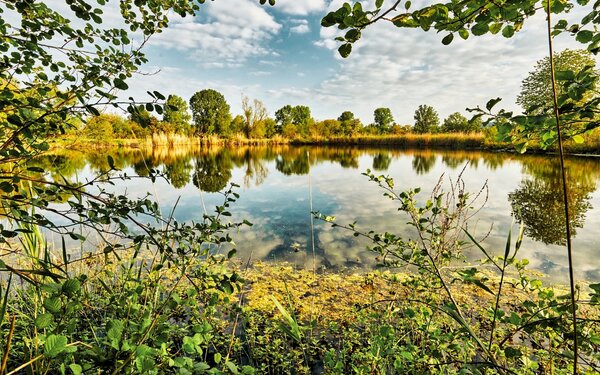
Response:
column 565, row 191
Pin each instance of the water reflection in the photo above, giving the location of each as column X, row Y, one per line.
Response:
column 423, row 162
column 527, row 186
column 538, row 201
column 212, row 171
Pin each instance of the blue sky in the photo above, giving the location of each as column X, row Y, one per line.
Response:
column 281, row 55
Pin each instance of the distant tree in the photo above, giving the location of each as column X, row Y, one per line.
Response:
column 383, row 119
column 100, row 128
column 270, row 126
column 284, row 116
column 176, row 113
column 325, row 128
column 349, row 125
column 254, row 117
column 237, row 124
column 426, row 119
column 536, row 88
column 298, row 115
column 301, row 115
column 346, row 116
column 210, row 112
column 456, row 123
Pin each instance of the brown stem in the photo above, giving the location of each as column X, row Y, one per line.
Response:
column 565, row 192
column 8, row 342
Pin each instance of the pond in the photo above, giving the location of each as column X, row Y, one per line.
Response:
column 279, row 186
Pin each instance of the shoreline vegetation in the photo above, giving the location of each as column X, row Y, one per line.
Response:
column 443, row 141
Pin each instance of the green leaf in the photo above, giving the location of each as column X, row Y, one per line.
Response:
column 43, row 320
column 508, row 31
column 578, row 139
column 232, row 367
column 584, row 36
column 564, row 75
column 71, row 287
column 491, row 103
column 480, row 29
column 463, row 33
column 52, row 304
column 345, row 50
column 120, row 84
column 448, row 39
column 495, row 28
column 76, row 369
column 54, row 345
column 378, row 3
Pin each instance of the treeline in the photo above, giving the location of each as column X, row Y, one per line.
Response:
column 208, row 113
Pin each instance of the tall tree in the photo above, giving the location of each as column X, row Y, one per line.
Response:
column 210, row 112
column 426, row 119
column 301, row 117
column 254, row 116
column 349, row 124
column 284, row 116
column 536, row 89
column 383, row 119
column 176, row 113
column 457, row 123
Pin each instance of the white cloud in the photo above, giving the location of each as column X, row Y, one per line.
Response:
column 301, row 7
column 300, row 28
column 234, row 31
column 403, row 68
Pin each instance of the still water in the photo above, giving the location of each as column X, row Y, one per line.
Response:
column 279, row 184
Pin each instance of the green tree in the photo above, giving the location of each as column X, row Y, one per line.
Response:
column 536, row 89
column 426, row 120
column 457, row 123
column 99, row 128
column 210, row 112
column 270, row 126
column 346, row 116
column 284, row 116
column 383, row 120
column 254, row 117
column 176, row 113
column 349, row 124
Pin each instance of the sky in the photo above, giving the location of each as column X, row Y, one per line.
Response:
column 281, row 55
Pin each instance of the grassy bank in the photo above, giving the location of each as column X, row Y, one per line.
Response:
column 281, row 320
column 448, row 141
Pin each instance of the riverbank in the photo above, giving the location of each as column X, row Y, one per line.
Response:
column 447, row 141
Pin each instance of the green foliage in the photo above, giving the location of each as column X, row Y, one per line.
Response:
column 383, row 120
column 426, row 120
column 299, row 116
column 457, row 123
column 210, row 112
column 536, row 89
column 176, row 113
column 99, row 128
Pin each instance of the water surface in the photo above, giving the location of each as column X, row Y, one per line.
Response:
column 277, row 184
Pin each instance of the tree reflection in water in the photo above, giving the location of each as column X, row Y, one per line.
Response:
column 538, row 201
